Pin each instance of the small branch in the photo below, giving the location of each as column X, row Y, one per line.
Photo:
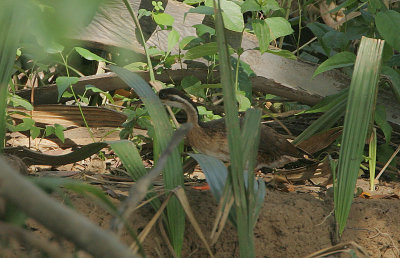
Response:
column 58, row 218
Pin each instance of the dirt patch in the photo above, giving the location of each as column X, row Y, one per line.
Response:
column 290, row 225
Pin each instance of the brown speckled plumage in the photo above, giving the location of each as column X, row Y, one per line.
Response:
column 210, row 137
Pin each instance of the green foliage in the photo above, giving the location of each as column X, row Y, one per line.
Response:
column 341, row 59
column 63, row 83
column 359, row 113
column 173, row 175
column 388, row 24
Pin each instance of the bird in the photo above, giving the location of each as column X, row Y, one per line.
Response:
column 210, row 137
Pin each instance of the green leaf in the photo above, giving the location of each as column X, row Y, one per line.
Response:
column 186, row 41
column 59, row 131
column 394, row 78
column 63, row 83
column 250, row 6
column 89, row 55
column 282, row 52
column 381, row 121
column 163, row 19
column 173, row 175
column 261, row 30
column 385, row 151
column 342, row 59
column 136, row 66
column 328, row 102
column 201, row 9
column 215, row 172
column 244, row 102
column 278, row 27
column 388, row 24
column 49, row 130
column 192, row 85
column 35, row 131
column 231, row 13
column 173, row 38
column 27, row 124
column 372, row 159
column 359, row 112
column 335, row 40
column 97, row 90
column 143, row 12
column 207, row 49
column 17, row 101
column 130, row 158
column 202, row 29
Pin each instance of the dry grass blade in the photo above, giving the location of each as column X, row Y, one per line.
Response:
column 180, row 193
column 224, row 208
column 388, row 163
column 348, row 247
column 149, row 226
column 139, row 190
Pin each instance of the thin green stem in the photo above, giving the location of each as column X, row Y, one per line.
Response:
column 77, row 101
column 137, row 24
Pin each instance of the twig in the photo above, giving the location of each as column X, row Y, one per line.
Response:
column 387, row 163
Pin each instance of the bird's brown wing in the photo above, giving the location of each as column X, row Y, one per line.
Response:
column 274, row 143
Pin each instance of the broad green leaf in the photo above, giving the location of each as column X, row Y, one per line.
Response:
column 97, row 90
column 335, row 40
column 173, row 175
column 342, row 59
column 49, row 130
column 63, row 83
column 202, row 29
column 326, row 121
column 53, row 47
column 186, row 41
column 89, row 55
column 136, row 66
column 163, row 19
column 261, row 30
column 278, row 27
column 231, row 13
column 359, row 112
column 173, row 38
column 215, row 172
column 394, row 78
column 201, row 9
column 328, row 102
column 17, row 101
column 192, row 85
column 193, row 2
column 35, row 131
column 264, row 5
column 381, row 121
column 244, row 102
column 27, row 124
column 282, row 52
column 388, row 24
column 207, row 49
column 241, row 202
column 130, row 158
column 12, row 28
column 59, row 131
